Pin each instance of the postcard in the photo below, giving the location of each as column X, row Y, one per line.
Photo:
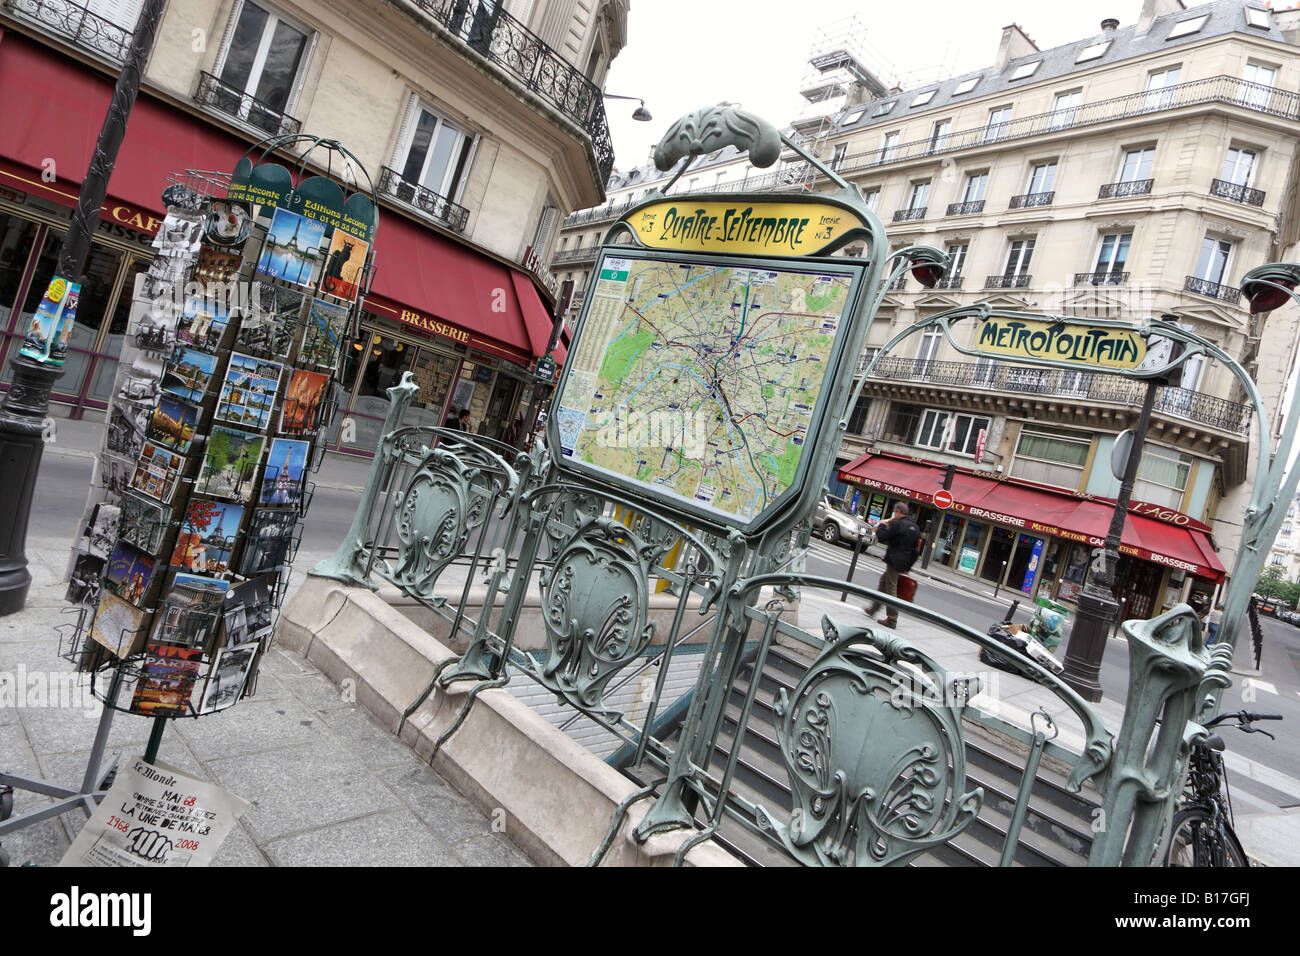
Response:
column 143, row 523
column 179, row 233
column 227, row 677
column 302, row 401
column 167, row 678
column 127, row 422
column 248, row 392
column 84, row 582
column 202, row 323
column 116, row 472
column 228, row 224
column 271, row 320
column 230, row 460
column 157, row 472
column 344, row 262
column 270, row 532
column 172, row 423
column 292, row 251
column 327, row 326
column 130, row 572
column 117, row 624
column 101, row 533
column 207, row 536
column 188, row 373
column 216, row 264
column 282, row 479
column 248, row 612
column 191, row 610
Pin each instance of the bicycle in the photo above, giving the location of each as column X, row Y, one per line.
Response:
column 1201, row 832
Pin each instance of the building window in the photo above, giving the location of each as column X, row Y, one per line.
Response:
column 434, row 153
column 1112, row 254
column 1053, row 458
column 836, row 159
column 939, row 135
column 929, row 347
column 264, row 61
column 976, row 183
column 997, row 124
column 872, row 197
column 1160, row 88
column 1162, row 477
column 1025, row 70
column 965, row 86
column 1022, row 250
column 883, row 108
column 1257, row 17
column 1136, row 165
column 1092, row 52
column 1065, row 108
column 545, row 225
column 1239, row 166
column 922, row 99
column 957, row 256
column 858, row 420
column 1261, row 77
column 1212, row 263
column 903, row 423
column 1042, row 178
column 889, row 149
column 949, row 432
column 919, row 196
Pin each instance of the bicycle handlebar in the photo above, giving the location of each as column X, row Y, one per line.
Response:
column 1242, row 717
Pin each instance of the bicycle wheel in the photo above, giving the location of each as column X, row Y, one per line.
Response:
column 1194, row 841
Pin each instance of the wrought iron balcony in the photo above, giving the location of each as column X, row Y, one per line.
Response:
column 1214, row 290
column 1184, row 403
column 1227, row 91
column 1007, row 282
column 950, row 282
column 909, row 215
column 75, row 23
column 1032, row 200
column 608, row 212
column 221, row 96
column 1236, row 192
column 577, row 254
column 966, row 208
column 511, row 47
column 1100, row 278
column 1131, row 187
column 438, row 208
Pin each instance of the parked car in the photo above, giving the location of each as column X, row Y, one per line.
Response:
column 835, row 525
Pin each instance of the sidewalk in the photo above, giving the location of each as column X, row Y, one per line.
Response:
column 328, row 785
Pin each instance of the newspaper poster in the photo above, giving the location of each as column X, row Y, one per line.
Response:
column 155, row 815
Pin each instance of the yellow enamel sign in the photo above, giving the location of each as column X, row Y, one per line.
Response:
column 741, row 228
column 1061, row 342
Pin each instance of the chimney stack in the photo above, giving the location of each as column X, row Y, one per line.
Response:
column 1015, row 43
column 1109, row 25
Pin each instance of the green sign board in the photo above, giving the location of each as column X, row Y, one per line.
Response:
column 969, row 558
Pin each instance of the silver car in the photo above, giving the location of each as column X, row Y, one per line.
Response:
column 833, row 524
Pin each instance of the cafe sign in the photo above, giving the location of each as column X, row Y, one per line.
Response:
column 1101, row 347
column 743, row 227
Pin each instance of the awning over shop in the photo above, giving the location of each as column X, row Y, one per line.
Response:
column 53, row 108
column 1178, row 543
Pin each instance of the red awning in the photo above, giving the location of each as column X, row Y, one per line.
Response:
column 52, row 109
column 1039, row 511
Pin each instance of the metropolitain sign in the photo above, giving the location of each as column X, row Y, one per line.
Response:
column 1103, row 347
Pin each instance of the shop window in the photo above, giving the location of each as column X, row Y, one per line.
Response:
column 433, row 152
column 1052, row 458
column 17, row 236
column 262, row 66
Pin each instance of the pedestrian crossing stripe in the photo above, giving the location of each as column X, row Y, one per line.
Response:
column 1260, row 685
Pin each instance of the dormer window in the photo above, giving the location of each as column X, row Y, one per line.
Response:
column 1189, row 26
column 883, row 108
column 1257, row 17
column 1093, row 52
column 965, row 86
column 1025, row 70
column 922, row 99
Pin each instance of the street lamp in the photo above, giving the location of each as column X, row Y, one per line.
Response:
column 640, row 114
column 23, row 413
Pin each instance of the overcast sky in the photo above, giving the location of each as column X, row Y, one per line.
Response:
column 684, row 54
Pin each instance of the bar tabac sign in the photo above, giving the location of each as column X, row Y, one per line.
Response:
column 1102, row 347
column 742, row 228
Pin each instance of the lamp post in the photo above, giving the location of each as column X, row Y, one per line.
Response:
column 1097, row 605
column 640, row 114
column 23, row 413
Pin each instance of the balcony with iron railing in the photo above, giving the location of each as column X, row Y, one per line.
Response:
column 909, row 215
column 577, row 254
column 1084, row 387
column 218, row 95
column 77, row 25
column 1236, row 192
column 509, row 46
column 423, row 200
column 1130, row 187
column 950, row 282
column 1031, row 200
column 1214, row 90
column 1215, row 290
column 1008, row 282
column 1100, row 278
column 966, row 208
column 606, row 213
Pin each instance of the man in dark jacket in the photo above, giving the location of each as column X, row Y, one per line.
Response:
column 900, row 536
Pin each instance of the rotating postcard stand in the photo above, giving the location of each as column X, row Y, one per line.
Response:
column 219, row 415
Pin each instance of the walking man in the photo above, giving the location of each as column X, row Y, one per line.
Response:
column 900, row 536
